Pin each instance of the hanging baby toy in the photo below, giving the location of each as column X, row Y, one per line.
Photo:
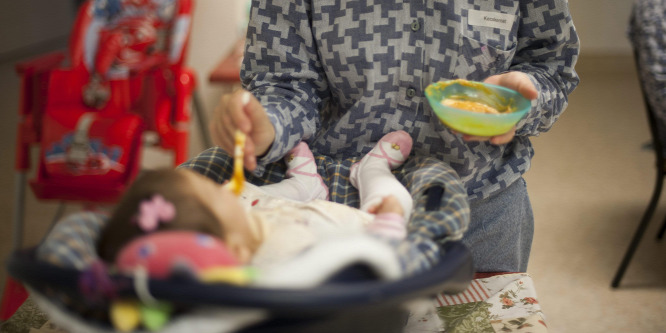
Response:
column 167, row 255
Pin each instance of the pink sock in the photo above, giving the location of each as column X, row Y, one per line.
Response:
column 372, row 175
column 390, row 225
column 301, row 166
column 392, row 148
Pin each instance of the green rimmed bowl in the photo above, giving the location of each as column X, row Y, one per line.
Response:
column 512, row 106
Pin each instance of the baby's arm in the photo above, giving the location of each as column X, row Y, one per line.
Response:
column 389, row 220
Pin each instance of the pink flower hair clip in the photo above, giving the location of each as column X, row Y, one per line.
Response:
column 153, row 211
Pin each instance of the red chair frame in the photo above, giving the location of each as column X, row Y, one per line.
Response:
column 154, row 95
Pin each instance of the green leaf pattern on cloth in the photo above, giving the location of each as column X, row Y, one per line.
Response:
column 502, row 303
column 469, row 317
column 532, row 324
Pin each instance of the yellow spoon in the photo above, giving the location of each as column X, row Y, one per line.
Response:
column 238, row 177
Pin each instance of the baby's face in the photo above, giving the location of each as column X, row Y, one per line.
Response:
column 231, row 214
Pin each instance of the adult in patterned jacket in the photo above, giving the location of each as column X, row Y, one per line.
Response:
column 339, row 74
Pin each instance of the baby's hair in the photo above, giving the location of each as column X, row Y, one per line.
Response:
column 192, row 213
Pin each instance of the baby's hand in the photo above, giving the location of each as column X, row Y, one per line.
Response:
column 389, row 204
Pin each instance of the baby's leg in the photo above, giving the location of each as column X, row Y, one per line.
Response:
column 372, row 175
column 389, row 219
column 303, row 183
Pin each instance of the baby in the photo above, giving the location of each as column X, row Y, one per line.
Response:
column 271, row 222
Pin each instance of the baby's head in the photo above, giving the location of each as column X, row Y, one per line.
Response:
column 198, row 204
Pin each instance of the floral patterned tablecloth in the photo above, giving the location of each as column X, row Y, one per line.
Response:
column 499, row 303
column 494, row 304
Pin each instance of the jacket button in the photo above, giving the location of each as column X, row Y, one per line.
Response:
column 416, row 25
column 411, row 92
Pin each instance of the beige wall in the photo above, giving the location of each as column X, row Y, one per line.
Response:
column 215, row 28
column 602, row 25
column 27, row 22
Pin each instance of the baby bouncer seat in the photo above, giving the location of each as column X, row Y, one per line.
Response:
column 87, row 110
column 354, row 294
column 353, row 299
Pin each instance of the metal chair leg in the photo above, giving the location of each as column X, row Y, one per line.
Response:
column 640, row 231
column 19, row 192
column 660, row 235
column 203, row 119
column 14, row 294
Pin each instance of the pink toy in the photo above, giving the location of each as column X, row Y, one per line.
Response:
column 164, row 252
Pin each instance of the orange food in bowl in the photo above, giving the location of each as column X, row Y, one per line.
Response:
column 469, row 106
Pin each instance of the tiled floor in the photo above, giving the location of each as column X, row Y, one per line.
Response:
column 589, row 184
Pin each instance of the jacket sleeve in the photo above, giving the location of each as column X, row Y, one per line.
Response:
column 547, row 51
column 281, row 68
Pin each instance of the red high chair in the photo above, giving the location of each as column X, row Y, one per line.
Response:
column 87, row 111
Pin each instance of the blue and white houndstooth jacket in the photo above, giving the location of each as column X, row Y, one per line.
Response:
column 342, row 73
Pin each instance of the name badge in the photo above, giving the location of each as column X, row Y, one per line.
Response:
column 490, row 19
